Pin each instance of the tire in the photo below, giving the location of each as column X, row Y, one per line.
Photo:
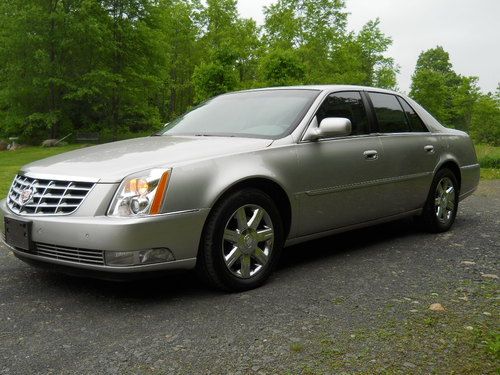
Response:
column 241, row 242
column 441, row 207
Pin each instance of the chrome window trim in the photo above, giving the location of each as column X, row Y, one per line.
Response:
column 327, row 93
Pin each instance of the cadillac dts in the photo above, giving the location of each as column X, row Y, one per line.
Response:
column 225, row 187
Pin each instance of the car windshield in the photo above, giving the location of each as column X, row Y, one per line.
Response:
column 260, row 114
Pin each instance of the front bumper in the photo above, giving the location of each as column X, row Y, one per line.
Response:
column 180, row 232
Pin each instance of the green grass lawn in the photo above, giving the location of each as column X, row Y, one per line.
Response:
column 10, row 162
column 489, row 158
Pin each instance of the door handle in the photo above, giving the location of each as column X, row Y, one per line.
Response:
column 370, row 154
column 429, row 149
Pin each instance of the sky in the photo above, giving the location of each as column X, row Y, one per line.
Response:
column 468, row 30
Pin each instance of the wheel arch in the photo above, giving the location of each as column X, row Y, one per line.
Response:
column 453, row 166
column 275, row 191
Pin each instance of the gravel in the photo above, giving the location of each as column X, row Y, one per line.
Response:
column 333, row 287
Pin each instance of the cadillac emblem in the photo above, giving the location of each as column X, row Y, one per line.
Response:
column 26, row 196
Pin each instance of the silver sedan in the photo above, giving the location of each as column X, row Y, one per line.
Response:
column 225, row 187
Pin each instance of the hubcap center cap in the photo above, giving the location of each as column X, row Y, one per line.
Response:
column 249, row 243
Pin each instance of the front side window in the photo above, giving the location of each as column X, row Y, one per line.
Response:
column 259, row 114
column 416, row 123
column 390, row 115
column 347, row 105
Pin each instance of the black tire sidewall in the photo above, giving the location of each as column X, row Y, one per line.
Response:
column 213, row 237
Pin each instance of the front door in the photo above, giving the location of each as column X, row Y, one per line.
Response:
column 340, row 175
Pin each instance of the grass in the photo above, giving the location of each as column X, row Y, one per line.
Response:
column 296, row 347
column 464, row 339
column 489, row 159
column 488, row 156
column 490, row 174
column 12, row 161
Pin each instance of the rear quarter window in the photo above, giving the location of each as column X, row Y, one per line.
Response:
column 416, row 124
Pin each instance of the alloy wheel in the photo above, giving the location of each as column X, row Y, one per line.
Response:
column 444, row 201
column 247, row 241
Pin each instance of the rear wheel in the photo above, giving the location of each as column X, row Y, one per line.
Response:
column 241, row 242
column 441, row 207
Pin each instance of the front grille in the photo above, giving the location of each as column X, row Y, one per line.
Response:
column 71, row 254
column 33, row 196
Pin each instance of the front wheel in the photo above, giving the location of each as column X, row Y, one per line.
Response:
column 441, row 207
column 241, row 242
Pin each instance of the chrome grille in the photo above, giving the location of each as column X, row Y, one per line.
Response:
column 46, row 197
column 71, row 254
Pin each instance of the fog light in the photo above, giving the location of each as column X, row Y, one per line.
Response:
column 136, row 258
column 155, row 256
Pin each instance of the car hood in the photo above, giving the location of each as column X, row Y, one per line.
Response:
column 111, row 162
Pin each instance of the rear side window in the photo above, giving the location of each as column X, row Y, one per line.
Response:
column 347, row 105
column 390, row 115
column 416, row 124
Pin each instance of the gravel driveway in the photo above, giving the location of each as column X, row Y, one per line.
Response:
column 325, row 309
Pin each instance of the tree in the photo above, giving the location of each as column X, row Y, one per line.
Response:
column 230, row 48
column 282, row 68
column 449, row 96
column 485, row 122
column 316, row 32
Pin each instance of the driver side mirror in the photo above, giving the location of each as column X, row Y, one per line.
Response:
column 328, row 128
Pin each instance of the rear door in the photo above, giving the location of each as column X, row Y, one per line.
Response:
column 410, row 153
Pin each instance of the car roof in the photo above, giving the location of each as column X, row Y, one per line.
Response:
column 325, row 88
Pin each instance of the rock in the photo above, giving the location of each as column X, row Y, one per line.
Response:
column 469, row 328
column 468, row 262
column 489, row 276
column 436, row 307
column 16, row 146
column 49, row 143
column 409, row 365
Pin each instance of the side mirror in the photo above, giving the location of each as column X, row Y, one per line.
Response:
column 328, row 128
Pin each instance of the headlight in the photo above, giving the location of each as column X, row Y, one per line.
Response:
column 141, row 194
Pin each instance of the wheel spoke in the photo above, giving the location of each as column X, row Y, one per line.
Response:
column 440, row 188
column 231, row 236
column 233, row 256
column 450, row 191
column 438, row 212
column 443, row 213
column 256, row 218
column 245, row 266
column 260, row 256
column 265, row 234
column 450, row 205
column 437, row 201
column 241, row 217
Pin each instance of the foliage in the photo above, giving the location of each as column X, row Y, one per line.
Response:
column 282, row 68
column 311, row 35
column 488, row 156
column 127, row 66
column 485, row 122
column 449, row 96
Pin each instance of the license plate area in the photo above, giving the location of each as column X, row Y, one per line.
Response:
column 18, row 233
